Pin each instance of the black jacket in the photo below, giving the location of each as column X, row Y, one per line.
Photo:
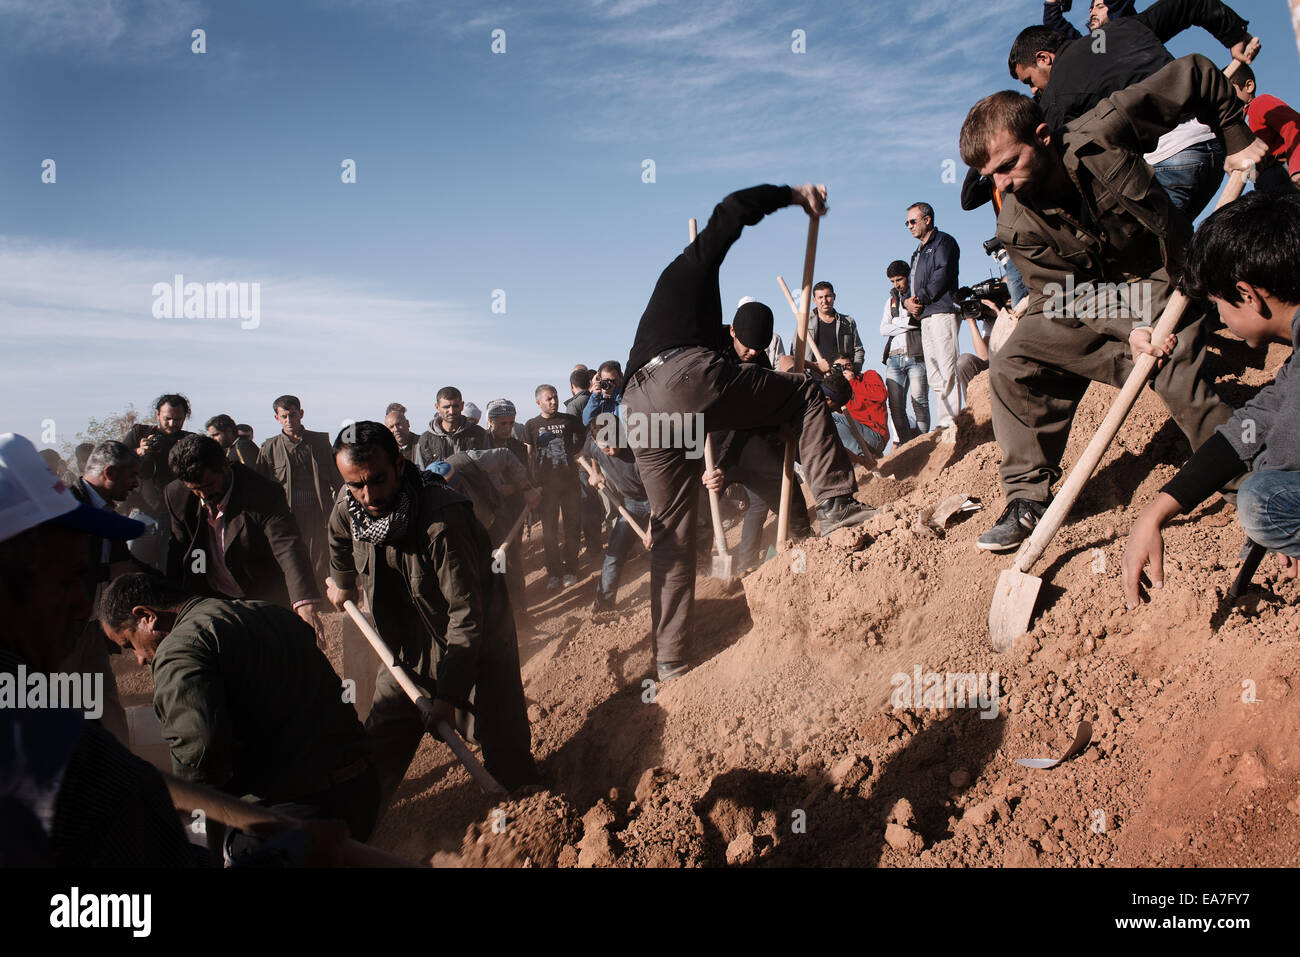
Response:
column 685, row 308
column 1087, row 70
column 265, row 553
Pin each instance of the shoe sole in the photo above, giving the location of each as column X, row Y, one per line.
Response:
column 999, row 548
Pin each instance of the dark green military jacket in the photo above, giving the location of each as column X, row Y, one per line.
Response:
column 436, row 601
column 249, row 704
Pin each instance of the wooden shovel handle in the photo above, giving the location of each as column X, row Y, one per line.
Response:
column 800, row 338
column 1056, row 513
column 1252, row 48
column 448, row 734
column 719, row 538
column 817, row 356
column 627, row 516
column 234, row 813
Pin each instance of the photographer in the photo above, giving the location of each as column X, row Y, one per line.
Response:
column 152, row 443
column 860, row 418
column 606, row 396
column 981, row 306
column 606, row 392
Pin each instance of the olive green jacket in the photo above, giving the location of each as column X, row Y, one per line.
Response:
column 249, row 704
column 436, row 600
column 1128, row 229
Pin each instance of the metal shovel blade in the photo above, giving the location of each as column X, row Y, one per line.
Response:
column 722, row 567
column 1012, row 607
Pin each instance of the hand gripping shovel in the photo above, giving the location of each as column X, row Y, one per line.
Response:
column 723, row 564
column 1017, row 590
column 487, row 782
column 642, row 533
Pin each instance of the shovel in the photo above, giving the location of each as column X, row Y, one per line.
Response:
column 642, row 533
column 722, row 562
column 812, row 345
column 800, row 340
column 1017, row 590
column 487, row 782
column 233, row 813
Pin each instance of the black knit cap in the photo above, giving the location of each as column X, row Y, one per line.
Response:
column 753, row 325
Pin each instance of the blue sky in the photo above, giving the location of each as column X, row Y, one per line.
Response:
column 476, row 172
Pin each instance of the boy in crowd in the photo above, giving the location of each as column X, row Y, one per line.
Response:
column 1243, row 259
column 555, row 438
column 1278, row 126
column 904, row 358
column 616, row 473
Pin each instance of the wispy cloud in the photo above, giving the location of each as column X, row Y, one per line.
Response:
column 98, row 28
column 80, row 340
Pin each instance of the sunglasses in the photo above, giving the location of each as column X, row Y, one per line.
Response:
column 913, row 222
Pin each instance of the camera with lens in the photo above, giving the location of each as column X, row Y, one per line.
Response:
column 994, row 290
column 993, row 247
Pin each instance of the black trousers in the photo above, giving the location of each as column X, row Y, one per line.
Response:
column 729, row 396
column 559, row 499
column 759, row 471
column 498, row 723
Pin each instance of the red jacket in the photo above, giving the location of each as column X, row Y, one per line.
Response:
column 1279, row 127
column 868, row 403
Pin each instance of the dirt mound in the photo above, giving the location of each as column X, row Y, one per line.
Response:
column 531, row 832
column 848, row 709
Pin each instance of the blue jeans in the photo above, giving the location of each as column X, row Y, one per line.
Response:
column 905, row 377
column 1015, row 282
column 1268, row 507
column 1192, row 177
column 621, row 539
column 853, row 435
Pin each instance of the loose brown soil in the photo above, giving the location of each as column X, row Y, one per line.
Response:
column 781, row 747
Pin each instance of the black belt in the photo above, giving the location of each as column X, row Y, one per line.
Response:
column 655, row 362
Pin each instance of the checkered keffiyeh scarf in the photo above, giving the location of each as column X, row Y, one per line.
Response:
column 391, row 527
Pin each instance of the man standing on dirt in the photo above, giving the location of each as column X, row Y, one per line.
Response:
column 678, row 365
column 933, row 278
column 425, row 563
column 1081, row 209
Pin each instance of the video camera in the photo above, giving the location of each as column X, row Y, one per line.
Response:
column 994, row 290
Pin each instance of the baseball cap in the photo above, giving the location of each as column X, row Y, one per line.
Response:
column 30, row 494
column 446, row 470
